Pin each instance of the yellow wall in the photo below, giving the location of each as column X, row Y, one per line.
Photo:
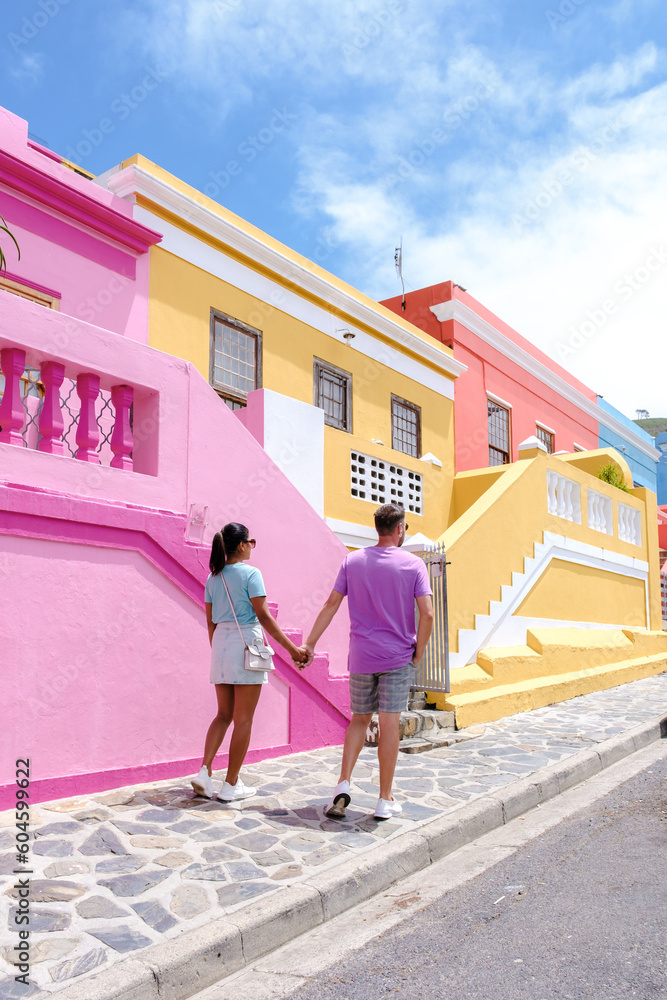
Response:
column 573, row 592
column 498, row 529
column 181, row 298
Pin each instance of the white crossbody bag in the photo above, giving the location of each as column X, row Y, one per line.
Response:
column 258, row 655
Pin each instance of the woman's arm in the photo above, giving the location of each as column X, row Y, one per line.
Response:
column 209, row 621
column 270, row 625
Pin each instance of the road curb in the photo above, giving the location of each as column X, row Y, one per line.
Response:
column 183, row 966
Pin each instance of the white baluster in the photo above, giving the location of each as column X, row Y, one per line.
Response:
column 552, row 502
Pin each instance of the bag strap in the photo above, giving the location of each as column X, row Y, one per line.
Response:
column 245, row 644
column 231, row 604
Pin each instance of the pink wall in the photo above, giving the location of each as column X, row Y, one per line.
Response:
column 75, row 237
column 490, row 371
column 105, row 657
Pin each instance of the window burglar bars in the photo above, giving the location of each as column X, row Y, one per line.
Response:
column 499, row 433
column 332, row 392
column 405, row 427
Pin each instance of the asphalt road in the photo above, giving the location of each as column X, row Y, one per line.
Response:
column 580, row 913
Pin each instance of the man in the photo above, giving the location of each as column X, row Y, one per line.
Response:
column 382, row 584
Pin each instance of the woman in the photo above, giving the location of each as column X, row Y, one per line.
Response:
column 236, row 688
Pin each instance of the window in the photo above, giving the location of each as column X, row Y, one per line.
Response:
column 499, row 433
column 332, row 392
column 406, row 427
column 26, row 290
column 236, row 359
column 379, row 482
column 547, row 438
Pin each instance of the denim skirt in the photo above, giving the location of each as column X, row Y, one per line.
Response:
column 227, row 655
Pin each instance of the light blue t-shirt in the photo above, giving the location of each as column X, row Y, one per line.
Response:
column 243, row 582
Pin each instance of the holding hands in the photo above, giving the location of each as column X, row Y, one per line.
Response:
column 304, row 656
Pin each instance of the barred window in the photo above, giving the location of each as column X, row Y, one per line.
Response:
column 236, row 359
column 406, row 427
column 332, row 392
column 499, row 433
column 547, row 438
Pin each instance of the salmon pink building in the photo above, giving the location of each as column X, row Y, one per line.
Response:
column 512, row 391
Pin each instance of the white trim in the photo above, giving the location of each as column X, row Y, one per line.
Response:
column 360, row 536
column 578, row 448
column 272, row 296
column 513, row 631
column 134, row 180
column 497, row 399
column 357, row 536
column 462, row 313
column 544, row 427
column 488, row 627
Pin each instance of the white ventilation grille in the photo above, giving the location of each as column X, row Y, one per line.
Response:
column 381, row 482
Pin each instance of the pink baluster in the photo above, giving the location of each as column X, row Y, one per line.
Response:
column 122, row 441
column 12, row 415
column 88, row 433
column 51, row 423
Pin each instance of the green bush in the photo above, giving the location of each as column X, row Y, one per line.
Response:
column 611, row 474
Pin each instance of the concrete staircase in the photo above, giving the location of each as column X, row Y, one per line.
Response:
column 554, row 665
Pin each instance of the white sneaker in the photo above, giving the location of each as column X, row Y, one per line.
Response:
column 340, row 800
column 386, row 808
column 232, row 793
column 203, row 784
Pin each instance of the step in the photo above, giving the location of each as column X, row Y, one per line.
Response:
column 488, row 705
column 430, row 727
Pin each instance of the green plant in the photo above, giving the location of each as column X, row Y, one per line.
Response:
column 3, row 259
column 612, row 474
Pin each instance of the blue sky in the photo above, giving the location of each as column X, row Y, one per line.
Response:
column 519, row 148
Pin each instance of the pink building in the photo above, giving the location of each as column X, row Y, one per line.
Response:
column 117, row 463
column 511, row 390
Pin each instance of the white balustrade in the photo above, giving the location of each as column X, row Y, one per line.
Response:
column 629, row 524
column 600, row 512
column 563, row 497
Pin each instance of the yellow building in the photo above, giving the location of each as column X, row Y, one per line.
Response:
column 354, row 404
column 554, row 580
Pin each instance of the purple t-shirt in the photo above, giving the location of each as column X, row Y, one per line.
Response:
column 381, row 583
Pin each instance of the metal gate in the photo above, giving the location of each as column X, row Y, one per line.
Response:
column 433, row 671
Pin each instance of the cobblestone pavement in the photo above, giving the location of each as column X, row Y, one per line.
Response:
column 117, row 871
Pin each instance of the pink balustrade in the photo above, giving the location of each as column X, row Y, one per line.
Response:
column 42, row 409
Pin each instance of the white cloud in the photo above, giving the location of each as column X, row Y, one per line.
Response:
column 27, row 68
column 550, row 275
column 486, row 203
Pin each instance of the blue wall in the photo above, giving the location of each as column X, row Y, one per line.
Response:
column 643, row 468
column 661, row 443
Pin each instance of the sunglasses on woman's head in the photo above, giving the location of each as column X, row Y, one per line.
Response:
column 252, row 542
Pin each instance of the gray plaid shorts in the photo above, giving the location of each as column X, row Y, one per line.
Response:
column 385, row 692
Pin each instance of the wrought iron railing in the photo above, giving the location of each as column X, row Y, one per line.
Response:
column 433, row 671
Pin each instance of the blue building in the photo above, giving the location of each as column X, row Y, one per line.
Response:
column 635, row 444
column 661, row 445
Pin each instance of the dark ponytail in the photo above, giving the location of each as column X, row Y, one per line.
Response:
column 225, row 543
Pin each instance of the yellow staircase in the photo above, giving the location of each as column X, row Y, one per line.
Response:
column 554, row 665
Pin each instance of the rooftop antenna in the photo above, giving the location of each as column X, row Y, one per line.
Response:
column 398, row 261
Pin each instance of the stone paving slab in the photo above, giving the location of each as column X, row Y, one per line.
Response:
column 143, row 865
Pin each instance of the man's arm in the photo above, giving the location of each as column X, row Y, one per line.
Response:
column 322, row 622
column 425, row 612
